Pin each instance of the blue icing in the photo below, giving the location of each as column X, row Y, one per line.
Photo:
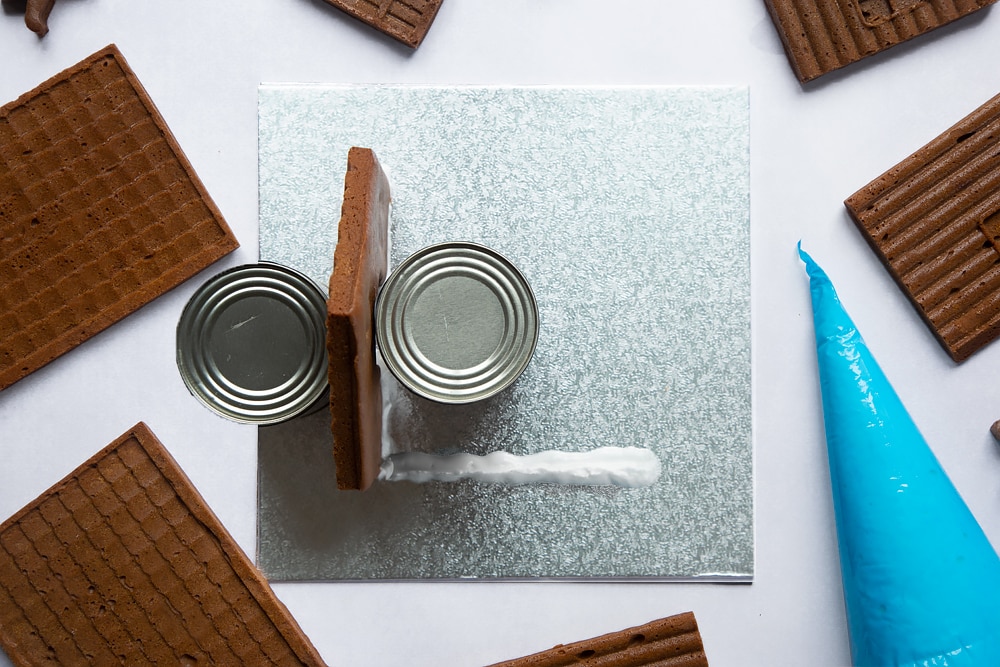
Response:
column 921, row 580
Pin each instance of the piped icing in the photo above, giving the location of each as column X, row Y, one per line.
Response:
column 617, row 466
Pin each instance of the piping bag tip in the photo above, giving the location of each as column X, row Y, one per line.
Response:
column 921, row 580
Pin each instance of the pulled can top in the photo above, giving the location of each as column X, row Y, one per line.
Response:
column 456, row 322
column 251, row 344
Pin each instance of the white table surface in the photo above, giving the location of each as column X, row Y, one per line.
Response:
column 812, row 147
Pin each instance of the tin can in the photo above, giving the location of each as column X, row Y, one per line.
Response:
column 251, row 344
column 456, row 322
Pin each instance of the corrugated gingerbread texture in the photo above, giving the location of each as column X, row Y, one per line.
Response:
column 823, row 35
column 100, row 211
column 360, row 263
column 934, row 221
column 669, row 642
column 123, row 563
column 406, row 21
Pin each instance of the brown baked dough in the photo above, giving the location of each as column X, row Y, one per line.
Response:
column 123, row 563
column 36, row 15
column 359, row 268
column 673, row 641
column 820, row 36
column 406, row 21
column 100, row 211
column 934, row 222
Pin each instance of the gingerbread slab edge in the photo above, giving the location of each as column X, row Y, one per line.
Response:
column 359, row 268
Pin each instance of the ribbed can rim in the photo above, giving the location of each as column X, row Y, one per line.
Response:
column 511, row 317
column 272, row 370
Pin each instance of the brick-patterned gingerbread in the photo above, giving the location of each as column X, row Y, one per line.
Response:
column 406, row 21
column 122, row 562
column 934, row 221
column 100, row 211
column 823, row 35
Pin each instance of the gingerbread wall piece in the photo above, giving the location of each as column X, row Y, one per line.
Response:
column 100, row 211
column 404, row 20
column 934, row 221
column 122, row 562
column 820, row 36
column 359, row 268
column 673, row 641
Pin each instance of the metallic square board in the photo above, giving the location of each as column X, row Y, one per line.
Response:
column 627, row 210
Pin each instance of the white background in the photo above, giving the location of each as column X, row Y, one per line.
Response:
column 812, row 146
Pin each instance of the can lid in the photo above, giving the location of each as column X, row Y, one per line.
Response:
column 456, row 322
column 251, row 343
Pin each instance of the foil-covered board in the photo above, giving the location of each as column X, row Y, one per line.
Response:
column 627, row 210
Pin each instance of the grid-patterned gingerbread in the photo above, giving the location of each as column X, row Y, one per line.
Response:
column 934, row 221
column 404, row 20
column 823, row 35
column 100, row 211
column 122, row 563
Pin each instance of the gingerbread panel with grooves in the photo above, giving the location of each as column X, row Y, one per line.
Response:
column 406, row 21
column 673, row 641
column 122, row 562
column 820, row 36
column 100, row 211
column 934, row 221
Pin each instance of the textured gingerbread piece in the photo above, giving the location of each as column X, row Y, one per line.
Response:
column 123, row 563
column 404, row 20
column 823, row 35
column 934, row 221
column 673, row 641
column 36, row 15
column 100, row 212
column 359, row 267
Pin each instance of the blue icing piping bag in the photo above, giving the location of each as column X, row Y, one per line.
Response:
column 921, row 580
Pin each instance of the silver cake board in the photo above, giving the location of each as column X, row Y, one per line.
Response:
column 627, row 209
